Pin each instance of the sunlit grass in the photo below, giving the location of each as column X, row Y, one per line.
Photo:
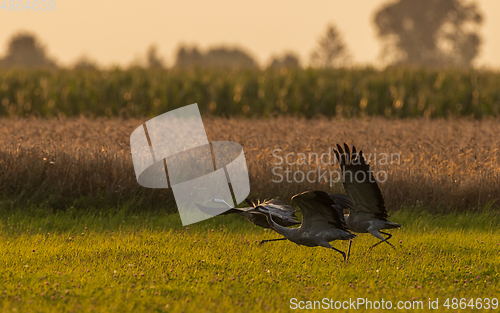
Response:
column 116, row 261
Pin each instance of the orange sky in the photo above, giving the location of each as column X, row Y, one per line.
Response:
column 116, row 32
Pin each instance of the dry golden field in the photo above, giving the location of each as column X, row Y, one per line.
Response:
column 444, row 165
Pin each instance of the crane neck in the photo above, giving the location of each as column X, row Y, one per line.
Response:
column 277, row 227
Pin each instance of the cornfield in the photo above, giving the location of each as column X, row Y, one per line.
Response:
column 393, row 92
column 442, row 164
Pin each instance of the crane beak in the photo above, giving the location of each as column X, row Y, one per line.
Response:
column 212, row 207
column 206, row 209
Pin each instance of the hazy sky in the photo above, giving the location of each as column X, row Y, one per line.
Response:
column 117, row 32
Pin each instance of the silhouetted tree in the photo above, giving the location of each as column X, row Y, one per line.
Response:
column 228, row 58
column 331, row 50
column 288, row 60
column 188, row 57
column 84, row 63
column 24, row 50
column 154, row 61
column 219, row 57
column 429, row 32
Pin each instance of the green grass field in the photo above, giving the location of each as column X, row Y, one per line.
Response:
column 124, row 261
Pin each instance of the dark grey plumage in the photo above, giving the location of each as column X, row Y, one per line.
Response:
column 367, row 213
column 322, row 221
column 342, row 201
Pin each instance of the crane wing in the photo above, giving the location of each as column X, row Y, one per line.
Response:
column 342, row 200
column 359, row 183
column 318, row 211
column 280, row 210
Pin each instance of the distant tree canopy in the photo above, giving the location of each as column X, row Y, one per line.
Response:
column 331, row 50
column 153, row 60
column 85, row 63
column 429, row 32
column 188, row 57
column 24, row 50
column 219, row 57
column 287, row 60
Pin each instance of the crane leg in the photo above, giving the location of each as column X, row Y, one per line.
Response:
column 343, row 254
column 349, row 251
column 269, row 240
column 383, row 240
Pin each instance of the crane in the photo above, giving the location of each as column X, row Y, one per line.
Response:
column 322, row 221
column 368, row 214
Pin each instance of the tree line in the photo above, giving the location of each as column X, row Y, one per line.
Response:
column 435, row 33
